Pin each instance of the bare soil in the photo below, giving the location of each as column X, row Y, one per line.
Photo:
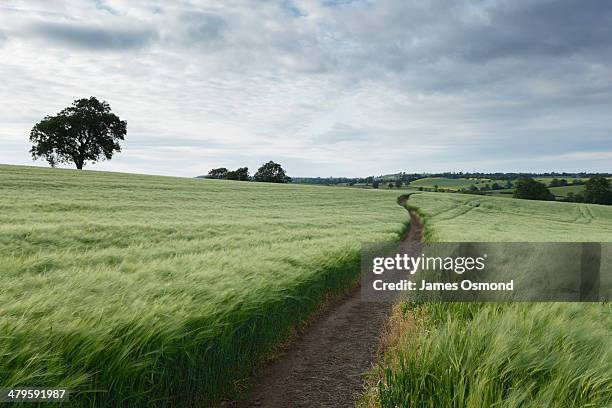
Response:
column 325, row 365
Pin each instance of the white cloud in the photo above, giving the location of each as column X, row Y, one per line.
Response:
column 326, row 88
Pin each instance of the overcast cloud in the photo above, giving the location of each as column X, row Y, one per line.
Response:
column 325, row 87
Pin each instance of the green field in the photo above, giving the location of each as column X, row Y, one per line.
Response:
column 139, row 290
column 450, row 183
column 559, row 192
column 501, row 354
column 547, row 180
column 461, row 217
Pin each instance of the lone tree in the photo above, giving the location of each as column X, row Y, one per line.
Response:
column 598, row 191
column 530, row 189
column 272, row 173
column 84, row 131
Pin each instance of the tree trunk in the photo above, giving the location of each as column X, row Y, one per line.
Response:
column 79, row 165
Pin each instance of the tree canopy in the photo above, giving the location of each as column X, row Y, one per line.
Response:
column 241, row 174
column 272, row 172
column 531, row 189
column 598, row 191
column 219, row 173
column 85, row 131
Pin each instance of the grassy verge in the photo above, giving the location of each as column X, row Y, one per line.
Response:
column 506, row 355
column 499, row 354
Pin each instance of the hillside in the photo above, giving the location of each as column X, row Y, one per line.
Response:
column 166, row 289
column 453, row 217
column 450, row 183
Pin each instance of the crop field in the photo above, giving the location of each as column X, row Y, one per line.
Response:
column 459, row 217
column 559, row 192
column 547, row 180
column 459, row 183
column 136, row 290
column 449, row 183
column 501, row 354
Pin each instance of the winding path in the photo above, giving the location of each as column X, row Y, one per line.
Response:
column 325, row 365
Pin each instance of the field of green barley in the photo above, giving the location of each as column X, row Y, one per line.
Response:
column 501, row 354
column 134, row 290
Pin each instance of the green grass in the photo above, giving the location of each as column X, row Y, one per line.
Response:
column 139, row 290
column 450, row 183
column 559, row 192
column 547, row 180
column 461, row 217
column 502, row 354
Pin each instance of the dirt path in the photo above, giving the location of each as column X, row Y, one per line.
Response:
column 324, row 366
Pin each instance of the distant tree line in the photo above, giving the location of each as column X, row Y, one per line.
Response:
column 501, row 180
column 597, row 190
column 328, row 180
column 523, row 185
column 269, row 172
column 221, row 173
column 514, row 176
column 397, row 180
column 484, row 189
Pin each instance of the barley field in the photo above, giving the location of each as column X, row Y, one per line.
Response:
column 135, row 290
column 500, row 354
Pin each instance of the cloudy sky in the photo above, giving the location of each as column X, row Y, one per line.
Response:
column 325, row 87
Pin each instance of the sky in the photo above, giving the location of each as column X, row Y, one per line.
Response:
column 324, row 87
